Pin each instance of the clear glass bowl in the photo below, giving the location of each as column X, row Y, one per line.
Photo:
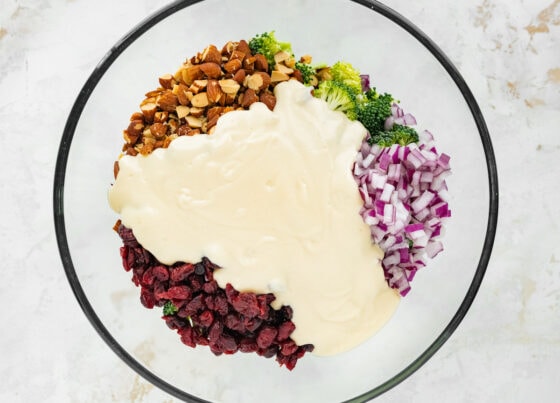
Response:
column 400, row 60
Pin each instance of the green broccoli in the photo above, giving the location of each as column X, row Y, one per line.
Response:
column 399, row 134
column 374, row 109
column 339, row 97
column 267, row 45
column 307, row 72
column 169, row 308
column 346, row 73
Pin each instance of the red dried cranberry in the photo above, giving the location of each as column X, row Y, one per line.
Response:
column 206, row 318
column 285, row 330
column 233, row 322
column 181, row 272
column 147, row 298
column 179, row 292
column 246, row 304
column 187, row 336
column 210, row 287
column 248, row 345
column 252, row 324
column 221, row 305
column 288, row 347
column 266, row 337
column 161, row 273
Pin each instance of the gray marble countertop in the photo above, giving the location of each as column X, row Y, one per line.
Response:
column 507, row 349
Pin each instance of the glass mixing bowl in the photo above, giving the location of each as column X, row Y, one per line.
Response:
column 401, row 60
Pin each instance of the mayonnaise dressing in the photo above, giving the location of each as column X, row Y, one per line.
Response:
column 270, row 198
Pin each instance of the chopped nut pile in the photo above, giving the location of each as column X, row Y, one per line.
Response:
column 204, row 88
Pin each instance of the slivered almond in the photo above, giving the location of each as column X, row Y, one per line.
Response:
column 281, row 56
column 283, row 69
column 182, row 111
column 229, row 86
column 194, row 122
column 200, row 100
column 277, row 76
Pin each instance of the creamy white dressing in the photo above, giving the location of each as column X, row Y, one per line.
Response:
column 270, row 198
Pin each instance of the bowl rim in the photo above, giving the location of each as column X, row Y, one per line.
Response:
column 62, row 160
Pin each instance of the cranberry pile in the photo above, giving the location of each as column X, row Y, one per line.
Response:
column 202, row 313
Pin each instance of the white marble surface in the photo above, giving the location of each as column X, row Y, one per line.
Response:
column 506, row 350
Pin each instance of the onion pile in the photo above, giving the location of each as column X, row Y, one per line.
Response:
column 405, row 201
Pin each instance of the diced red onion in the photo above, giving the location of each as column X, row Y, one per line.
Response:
column 405, row 197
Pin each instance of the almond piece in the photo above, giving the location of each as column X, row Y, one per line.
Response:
column 278, row 76
column 257, row 81
column 149, row 110
column 200, row 100
column 214, row 112
column 166, row 81
column 182, row 111
column 283, row 69
column 249, row 98
column 232, row 66
column 133, row 131
column 243, row 46
column 161, row 117
column 115, row 169
column 158, row 130
column 229, row 86
column 136, row 116
column 238, row 55
column 211, row 55
column 307, row 59
column 228, row 48
column 281, row 56
column 211, row 70
column 167, row 101
column 239, row 76
column 249, row 62
column 261, row 63
column 192, row 73
column 198, row 85
column 180, row 91
column 196, row 112
column 268, row 99
column 194, row 122
column 214, row 92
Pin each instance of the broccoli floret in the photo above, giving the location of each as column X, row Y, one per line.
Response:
column 339, row 97
column 374, row 109
column 169, row 308
column 267, row 45
column 399, row 134
column 346, row 73
column 307, row 72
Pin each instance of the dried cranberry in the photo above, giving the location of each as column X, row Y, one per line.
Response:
column 266, row 337
column 226, row 320
column 285, row 330
column 246, row 304
column 181, row 272
column 206, row 318
column 147, row 298
column 187, row 336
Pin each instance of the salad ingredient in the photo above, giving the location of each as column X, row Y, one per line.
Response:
column 373, row 111
column 169, row 308
column 405, row 204
column 398, row 134
column 339, row 97
column 345, row 73
column 267, row 182
column 267, row 45
column 204, row 314
column 307, row 72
